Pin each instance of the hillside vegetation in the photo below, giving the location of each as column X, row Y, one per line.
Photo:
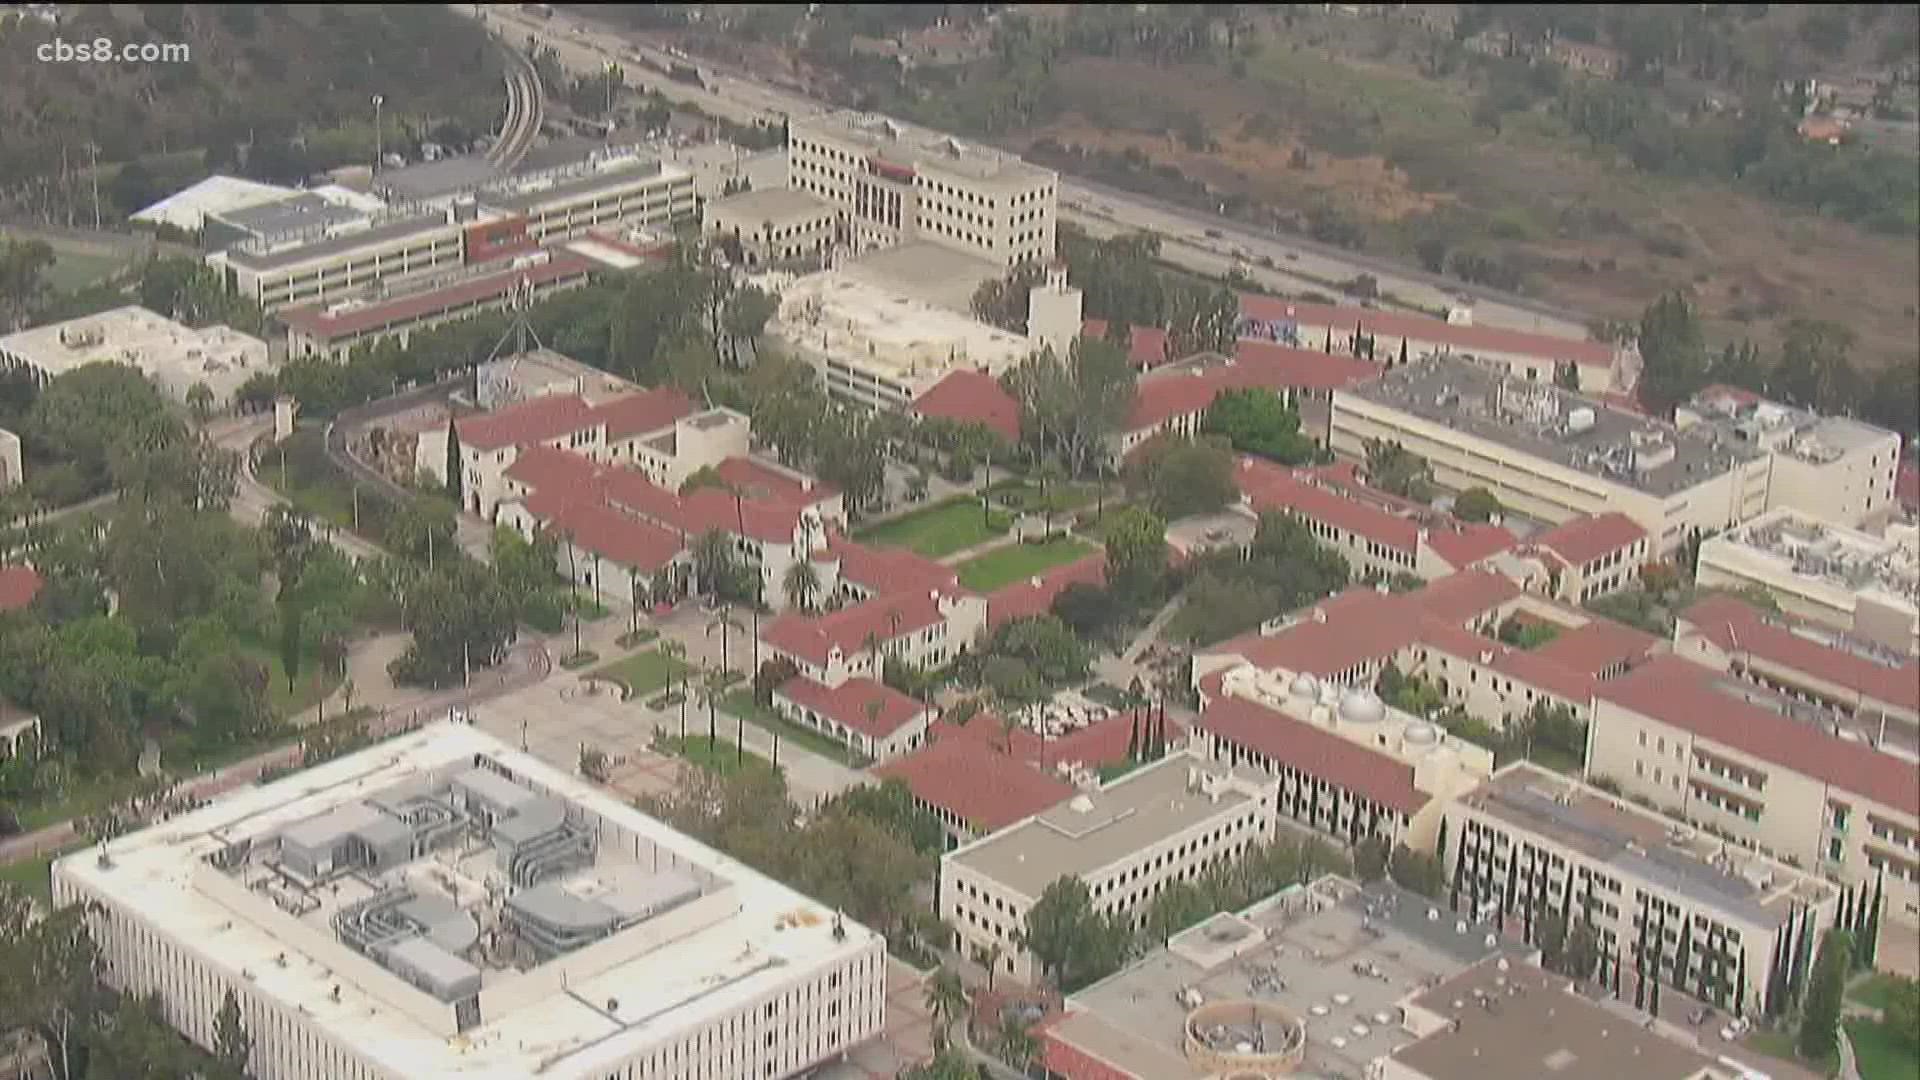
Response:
column 292, row 82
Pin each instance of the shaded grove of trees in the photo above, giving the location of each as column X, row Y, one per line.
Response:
column 1285, row 568
column 262, row 77
column 1813, row 368
column 1076, row 945
column 56, row 991
column 864, row 853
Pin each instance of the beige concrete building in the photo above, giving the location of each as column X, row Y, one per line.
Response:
column 1509, row 1017
column 445, row 905
column 775, row 226
column 1531, row 840
column 176, row 357
column 1863, row 585
column 1345, row 764
column 1169, row 821
column 1832, row 469
column 877, row 347
column 1764, row 772
column 328, row 267
column 1389, row 336
column 1553, row 455
column 896, row 183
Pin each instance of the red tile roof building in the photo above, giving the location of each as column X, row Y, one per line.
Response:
column 1375, row 532
column 972, row 397
column 870, row 718
column 926, row 628
column 333, row 330
column 1601, row 367
column 1146, row 345
column 973, row 786
column 1858, row 680
column 18, row 586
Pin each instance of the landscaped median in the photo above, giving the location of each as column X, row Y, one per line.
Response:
column 642, row 673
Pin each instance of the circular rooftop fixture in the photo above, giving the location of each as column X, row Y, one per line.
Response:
column 1422, row 734
column 1362, row 707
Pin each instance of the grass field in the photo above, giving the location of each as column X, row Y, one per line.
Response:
column 1015, row 562
column 740, row 703
column 641, row 673
column 1780, row 1044
column 1874, row 991
column 33, row 875
column 941, row 529
column 76, row 264
column 717, row 756
column 1024, row 496
column 1879, row 1053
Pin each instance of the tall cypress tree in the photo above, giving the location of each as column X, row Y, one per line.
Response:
column 456, row 480
column 1870, row 947
column 1459, row 868
column 1740, row 986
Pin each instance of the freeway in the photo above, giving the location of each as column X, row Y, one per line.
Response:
column 1190, row 237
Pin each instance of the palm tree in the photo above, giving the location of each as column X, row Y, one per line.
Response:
column 724, row 622
column 676, row 654
column 946, row 998
column 710, row 688
column 800, row 584
column 1016, row 1045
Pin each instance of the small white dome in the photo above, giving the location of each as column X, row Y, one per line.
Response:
column 1422, row 734
column 1304, row 686
column 1362, row 707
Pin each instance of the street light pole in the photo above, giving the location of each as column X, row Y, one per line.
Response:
column 379, row 146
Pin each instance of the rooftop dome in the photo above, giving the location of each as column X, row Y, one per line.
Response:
column 1304, row 686
column 1362, row 707
column 1422, row 734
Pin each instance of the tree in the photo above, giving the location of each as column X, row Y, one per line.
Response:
column 456, row 469
column 1074, row 944
column 946, row 999
column 774, row 673
column 1092, row 612
column 291, row 643
column 22, row 266
column 1820, row 1020
column 200, row 401
column 1814, row 370
column 1398, row 471
column 1071, row 406
column 1416, row 871
column 232, row 1045
column 801, row 584
column 1015, row 1044
column 1477, row 504
column 1901, row 1016
column 1136, row 541
column 1260, row 422
column 1182, row 477
column 1672, row 353
column 1002, row 302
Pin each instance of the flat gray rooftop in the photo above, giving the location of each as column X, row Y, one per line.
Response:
column 291, row 255
column 436, row 179
column 1334, row 955
column 1517, row 1020
column 282, row 216
column 1541, row 802
column 1097, row 829
column 1466, row 396
column 514, row 198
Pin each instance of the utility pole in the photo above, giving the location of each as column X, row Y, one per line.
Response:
column 379, row 146
column 94, row 150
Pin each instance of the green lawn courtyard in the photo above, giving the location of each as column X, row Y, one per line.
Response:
column 1879, row 1052
column 740, row 703
column 717, row 756
column 941, row 529
column 642, row 673
column 1016, row 562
